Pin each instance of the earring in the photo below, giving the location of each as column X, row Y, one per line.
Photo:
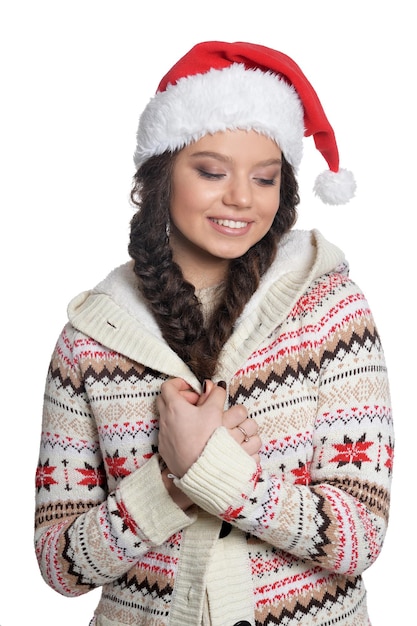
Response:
column 168, row 228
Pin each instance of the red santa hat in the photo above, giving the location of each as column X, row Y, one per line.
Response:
column 218, row 86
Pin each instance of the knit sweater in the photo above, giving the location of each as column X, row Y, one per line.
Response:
column 305, row 359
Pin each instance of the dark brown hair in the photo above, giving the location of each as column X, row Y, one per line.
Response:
column 171, row 299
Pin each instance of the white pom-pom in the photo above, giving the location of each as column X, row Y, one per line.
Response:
column 335, row 187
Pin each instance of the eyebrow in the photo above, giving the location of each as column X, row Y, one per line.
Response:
column 225, row 159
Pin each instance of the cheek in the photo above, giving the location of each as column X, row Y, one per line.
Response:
column 268, row 216
column 189, row 200
column 183, row 210
column 271, row 207
column 181, row 202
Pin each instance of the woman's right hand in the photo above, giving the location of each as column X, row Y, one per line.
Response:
column 185, row 425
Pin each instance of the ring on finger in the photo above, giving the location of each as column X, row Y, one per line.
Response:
column 244, row 433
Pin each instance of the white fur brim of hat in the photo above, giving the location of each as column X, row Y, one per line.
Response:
column 228, row 99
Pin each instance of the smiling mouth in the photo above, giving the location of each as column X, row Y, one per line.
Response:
column 230, row 223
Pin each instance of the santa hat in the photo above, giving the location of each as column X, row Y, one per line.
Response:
column 218, row 86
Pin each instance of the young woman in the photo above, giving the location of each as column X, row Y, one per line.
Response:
column 217, row 438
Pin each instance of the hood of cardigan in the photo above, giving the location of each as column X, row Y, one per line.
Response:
column 115, row 314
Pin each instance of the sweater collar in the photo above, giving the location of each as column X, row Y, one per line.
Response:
column 115, row 314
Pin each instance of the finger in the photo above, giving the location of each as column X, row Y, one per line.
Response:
column 213, row 396
column 174, row 388
column 244, row 431
column 253, row 445
column 208, row 386
column 248, row 428
column 191, row 396
column 235, row 416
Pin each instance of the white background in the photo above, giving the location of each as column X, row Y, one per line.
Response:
column 74, row 79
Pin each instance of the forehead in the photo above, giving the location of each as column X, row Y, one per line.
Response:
column 241, row 145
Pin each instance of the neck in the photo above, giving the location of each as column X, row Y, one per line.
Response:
column 201, row 270
column 203, row 278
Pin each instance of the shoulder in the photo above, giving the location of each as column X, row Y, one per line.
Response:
column 118, row 298
column 73, row 346
column 303, row 252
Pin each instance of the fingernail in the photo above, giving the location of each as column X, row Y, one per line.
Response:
column 222, row 384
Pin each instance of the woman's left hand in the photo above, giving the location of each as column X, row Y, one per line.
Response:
column 243, row 429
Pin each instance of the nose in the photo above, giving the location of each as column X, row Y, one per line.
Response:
column 238, row 192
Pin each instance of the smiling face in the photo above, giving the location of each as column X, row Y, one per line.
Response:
column 224, row 196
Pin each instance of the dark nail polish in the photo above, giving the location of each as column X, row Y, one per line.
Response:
column 222, row 384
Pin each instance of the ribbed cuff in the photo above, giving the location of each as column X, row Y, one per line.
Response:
column 148, row 502
column 221, row 477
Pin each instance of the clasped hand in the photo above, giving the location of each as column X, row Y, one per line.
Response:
column 187, row 420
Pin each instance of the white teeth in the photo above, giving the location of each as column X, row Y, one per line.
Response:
column 230, row 223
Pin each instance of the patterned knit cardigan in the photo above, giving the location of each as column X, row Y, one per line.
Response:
column 306, row 361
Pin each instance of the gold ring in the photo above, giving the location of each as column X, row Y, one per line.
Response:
column 244, row 433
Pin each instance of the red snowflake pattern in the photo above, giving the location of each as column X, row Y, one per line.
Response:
column 390, row 460
column 93, row 476
column 352, row 452
column 44, row 476
column 231, row 514
column 302, row 473
column 115, row 465
column 128, row 521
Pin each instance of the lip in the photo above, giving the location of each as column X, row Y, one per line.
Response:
column 230, row 226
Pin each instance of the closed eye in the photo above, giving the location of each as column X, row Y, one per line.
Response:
column 266, row 181
column 209, row 175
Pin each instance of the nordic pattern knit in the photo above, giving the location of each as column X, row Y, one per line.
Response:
column 306, row 361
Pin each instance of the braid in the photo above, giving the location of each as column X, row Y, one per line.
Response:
column 171, row 299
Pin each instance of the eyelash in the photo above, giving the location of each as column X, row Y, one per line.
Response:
column 209, row 175
column 266, row 182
